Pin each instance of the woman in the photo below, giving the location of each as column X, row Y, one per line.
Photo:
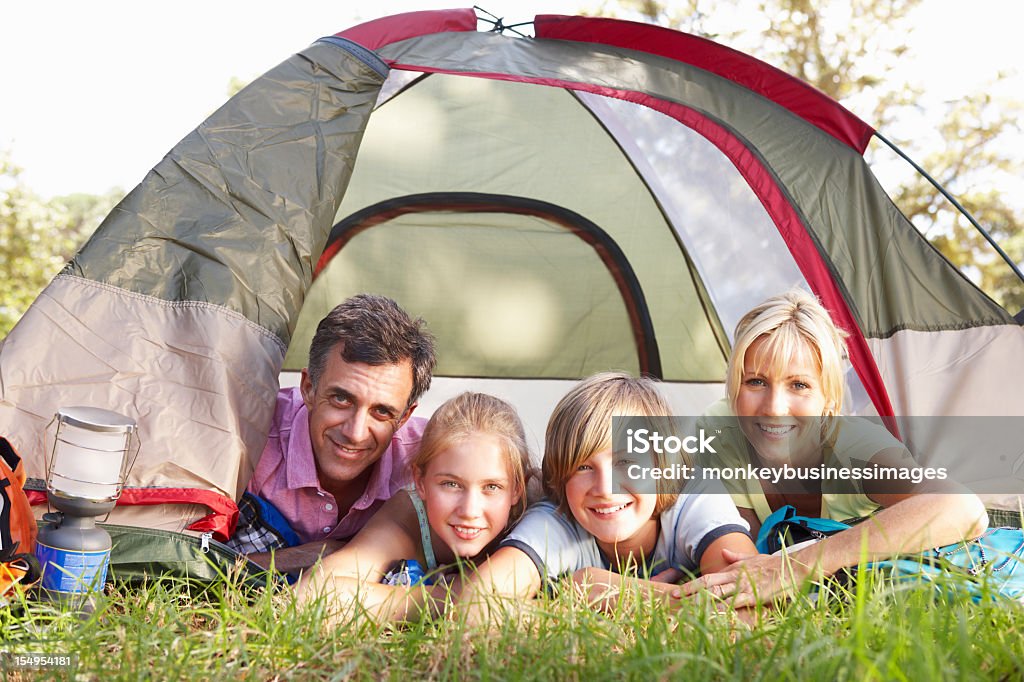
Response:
column 785, row 385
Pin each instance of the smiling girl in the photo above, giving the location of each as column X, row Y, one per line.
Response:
column 599, row 529
column 469, row 485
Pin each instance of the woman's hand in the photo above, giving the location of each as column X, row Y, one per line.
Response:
column 752, row 578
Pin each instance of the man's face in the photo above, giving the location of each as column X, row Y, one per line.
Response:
column 354, row 411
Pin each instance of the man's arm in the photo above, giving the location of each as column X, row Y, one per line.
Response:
column 379, row 601
column 351, row 577
column 295, row 559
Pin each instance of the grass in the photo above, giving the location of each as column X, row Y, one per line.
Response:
column 171, row 629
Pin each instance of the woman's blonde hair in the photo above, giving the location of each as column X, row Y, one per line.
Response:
column 581, row 426
column 790, row 322
column 469, row 413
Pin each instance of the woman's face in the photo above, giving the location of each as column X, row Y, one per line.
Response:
column 781, row 405
column 468, row 493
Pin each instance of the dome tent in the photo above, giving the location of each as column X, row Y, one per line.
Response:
column 604, row 195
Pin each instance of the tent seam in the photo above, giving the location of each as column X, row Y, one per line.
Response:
column 200, row 305
column 367, row 57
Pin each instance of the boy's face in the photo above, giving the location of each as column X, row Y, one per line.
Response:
column 613, row 515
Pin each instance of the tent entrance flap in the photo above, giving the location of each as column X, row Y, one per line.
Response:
column 509, row 284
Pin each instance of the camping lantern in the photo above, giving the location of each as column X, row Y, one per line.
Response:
column 93, row 450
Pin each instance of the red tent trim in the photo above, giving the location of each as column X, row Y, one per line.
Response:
column 386, row 30
column 791, row 93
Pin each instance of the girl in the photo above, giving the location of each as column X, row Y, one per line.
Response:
column 469, row 485
column 595, row 529
column 785, row 383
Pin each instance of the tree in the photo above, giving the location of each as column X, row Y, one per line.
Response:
column 851, row 51
column 37, row 238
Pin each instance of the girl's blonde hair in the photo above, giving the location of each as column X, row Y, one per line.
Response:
column 790, row 322
column 581, row 426
column 469, row 413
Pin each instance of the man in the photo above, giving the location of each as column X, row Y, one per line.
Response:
column 340, row 443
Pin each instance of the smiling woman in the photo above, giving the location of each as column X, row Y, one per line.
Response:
column 785, row 388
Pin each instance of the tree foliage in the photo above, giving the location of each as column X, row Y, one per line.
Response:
column 38, row 237
column 851, row 51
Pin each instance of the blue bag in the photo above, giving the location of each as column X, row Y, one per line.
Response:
column 987, row 565
column 784, row 528
column 407, row 573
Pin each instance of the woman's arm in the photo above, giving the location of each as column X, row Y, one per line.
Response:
column 941, row 514
column 940, row 511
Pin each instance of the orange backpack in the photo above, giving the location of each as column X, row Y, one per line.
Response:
column 18, row 564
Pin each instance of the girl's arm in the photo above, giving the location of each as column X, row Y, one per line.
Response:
column 509, row 573
column 350, row 578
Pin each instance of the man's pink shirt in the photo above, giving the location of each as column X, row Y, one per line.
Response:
column 286, row 474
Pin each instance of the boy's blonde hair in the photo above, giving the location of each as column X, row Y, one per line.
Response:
column 469, row 413
column 789, row 322
column 581, row 426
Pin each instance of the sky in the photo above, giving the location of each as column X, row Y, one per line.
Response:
column 94, row 94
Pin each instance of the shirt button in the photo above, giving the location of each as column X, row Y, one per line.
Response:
column 327, row 529
column 329, row 506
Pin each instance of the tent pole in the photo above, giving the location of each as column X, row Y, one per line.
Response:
column 499, row 25
column 942, row 190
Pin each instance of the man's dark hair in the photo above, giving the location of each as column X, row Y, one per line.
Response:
column 374, row 330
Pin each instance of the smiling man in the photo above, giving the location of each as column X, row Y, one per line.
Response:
column 340, row 443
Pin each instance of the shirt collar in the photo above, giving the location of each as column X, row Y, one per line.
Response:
column 299, row 462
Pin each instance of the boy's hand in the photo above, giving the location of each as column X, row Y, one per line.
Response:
column 669, row 575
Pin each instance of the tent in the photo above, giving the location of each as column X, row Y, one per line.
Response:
column 605, row 195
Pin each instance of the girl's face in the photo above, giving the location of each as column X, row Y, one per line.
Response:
column 611, row 513
column 781, row 405
column 468, row 493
